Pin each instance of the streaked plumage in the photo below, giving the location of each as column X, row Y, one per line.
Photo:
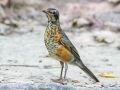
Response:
column 60, row 47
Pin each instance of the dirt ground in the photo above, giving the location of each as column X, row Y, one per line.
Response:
column 91, row 25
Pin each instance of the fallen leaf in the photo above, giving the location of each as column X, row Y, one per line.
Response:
column 108, row 75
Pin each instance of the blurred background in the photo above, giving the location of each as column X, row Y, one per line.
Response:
column 93, row 26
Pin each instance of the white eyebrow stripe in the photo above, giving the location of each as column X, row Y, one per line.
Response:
column 53, row 11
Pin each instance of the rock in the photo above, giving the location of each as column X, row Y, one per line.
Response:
column 47, row 66
column 109, row 40
column 114, row 1
column 117, row 10
column 64, row 82
column 1, row 78
column 109, row 84
column 54, row 86
column 83, row 29
column 105, row 85
column 112, row 25
column 75, row 81
column 7, row 21
column 10, row 60
column 104, row 37
column 40, row 61
column 17, row 87
column 109, row 64
column 105, row 60
column 118, row 47
column 80, row 22
column 4, row 29
column 99, row 39
column 14, row 23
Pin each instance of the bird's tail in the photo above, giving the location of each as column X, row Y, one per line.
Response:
column 88, row 72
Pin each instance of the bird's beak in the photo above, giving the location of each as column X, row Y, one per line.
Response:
column 47, row 12
column 44, row 11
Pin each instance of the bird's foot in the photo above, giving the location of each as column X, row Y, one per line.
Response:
column 96, row 83
column 61, row 81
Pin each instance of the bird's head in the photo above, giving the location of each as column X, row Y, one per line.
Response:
column 52, row 14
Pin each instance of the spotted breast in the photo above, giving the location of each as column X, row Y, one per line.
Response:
column 53, row 44
column 51, row 39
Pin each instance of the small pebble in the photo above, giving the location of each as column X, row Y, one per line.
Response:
column 109, row 40
column 105, row 59
column 109, row 64
column 75, row 81
column 40, row 61
column 1, row 78
column 47, row 66
column 118, row 47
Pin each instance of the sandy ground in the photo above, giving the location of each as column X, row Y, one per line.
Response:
column 24, row 59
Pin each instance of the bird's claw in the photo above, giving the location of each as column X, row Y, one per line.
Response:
column 61, row 81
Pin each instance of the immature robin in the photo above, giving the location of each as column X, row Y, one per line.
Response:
column 60, row 47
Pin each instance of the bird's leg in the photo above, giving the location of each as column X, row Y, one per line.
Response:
column 66, row 68
column 60, row 79
column 62, row 64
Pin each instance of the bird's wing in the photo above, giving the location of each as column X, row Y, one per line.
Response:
column 69, row 46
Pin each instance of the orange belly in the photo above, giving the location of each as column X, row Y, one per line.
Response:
column 64, row 54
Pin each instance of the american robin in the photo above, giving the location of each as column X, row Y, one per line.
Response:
column 60, row 47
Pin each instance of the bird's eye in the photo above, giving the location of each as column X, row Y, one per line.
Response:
column 53, row 12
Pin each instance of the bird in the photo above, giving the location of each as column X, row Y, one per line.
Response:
column 60, row 47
